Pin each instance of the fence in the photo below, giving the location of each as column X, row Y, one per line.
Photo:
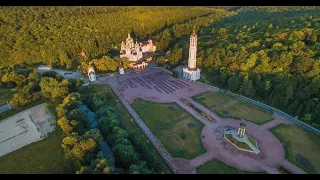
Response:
column 290, row 118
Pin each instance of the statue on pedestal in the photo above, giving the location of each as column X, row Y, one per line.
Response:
column 242, row 129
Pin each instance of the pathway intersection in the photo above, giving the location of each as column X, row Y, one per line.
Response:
column 158, row 86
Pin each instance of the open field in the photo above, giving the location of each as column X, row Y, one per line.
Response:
column 177, row 130
column 216, row 167
column 302, row 147
column 228, row 106
column 5, row 95
column 42, row 157
column 132, row 127
column 24, row 128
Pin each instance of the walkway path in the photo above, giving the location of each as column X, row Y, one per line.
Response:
column 271, row 154
column 157, row 144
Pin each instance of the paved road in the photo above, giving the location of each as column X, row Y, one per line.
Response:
column 64, row 73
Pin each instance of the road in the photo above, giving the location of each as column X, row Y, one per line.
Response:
column 64, row 73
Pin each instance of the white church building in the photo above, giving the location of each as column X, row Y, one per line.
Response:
column 133, row 51
column 192, row 72
column 130, row 50
column 148, row 46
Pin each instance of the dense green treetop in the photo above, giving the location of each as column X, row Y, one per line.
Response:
column 56, row 35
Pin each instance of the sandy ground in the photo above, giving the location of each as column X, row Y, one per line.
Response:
column 24, row 128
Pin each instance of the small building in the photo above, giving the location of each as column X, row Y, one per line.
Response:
column 148, row 46
column 140, row 66
column 44, row 67
column 91, row 74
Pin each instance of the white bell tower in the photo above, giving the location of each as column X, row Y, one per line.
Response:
column 192, row 72
column 192, row 61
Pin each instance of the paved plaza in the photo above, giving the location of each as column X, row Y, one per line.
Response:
column 158, row 86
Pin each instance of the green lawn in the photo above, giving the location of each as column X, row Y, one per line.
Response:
column 228, row 106
column 133, row 128
column 241, row 145
column 217, row 167
column 252, row 141
column 178, row 131
column 302, row 142
column 5, row 95
column 16, row 110
column 42, row 157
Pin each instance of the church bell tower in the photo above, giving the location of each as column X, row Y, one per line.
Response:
column 192, row 72
column 192, row 61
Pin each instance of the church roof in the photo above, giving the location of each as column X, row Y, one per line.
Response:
column 193, row 34
column 129, row 38
column 144, row 43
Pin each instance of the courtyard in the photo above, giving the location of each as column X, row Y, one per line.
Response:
column 157, row 98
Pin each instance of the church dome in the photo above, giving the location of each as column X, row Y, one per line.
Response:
column 129, row 39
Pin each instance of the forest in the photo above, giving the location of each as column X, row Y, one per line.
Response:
column 56, row 35
column 268, row 55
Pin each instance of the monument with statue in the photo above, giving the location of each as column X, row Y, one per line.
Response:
column 239, row 139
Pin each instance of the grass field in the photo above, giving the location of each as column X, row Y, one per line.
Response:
column 252, row 141
column 241, row 145
column 217, row 167
column 178, row 131
column 132, row 127
column 42, row 157
column 302, row 142
column 228, row 106
column 5, row 95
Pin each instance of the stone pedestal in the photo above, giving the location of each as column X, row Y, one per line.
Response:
column 244, row 139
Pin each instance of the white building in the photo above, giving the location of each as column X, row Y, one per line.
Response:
column 148, row 46
column 44, row 67
column 140, row 66
column 130, row 50
column 192, row 72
